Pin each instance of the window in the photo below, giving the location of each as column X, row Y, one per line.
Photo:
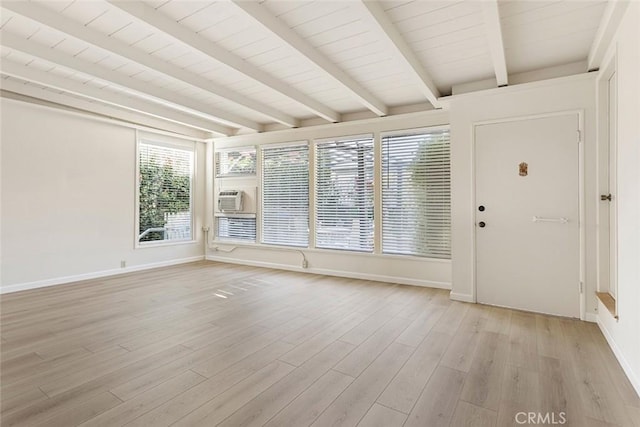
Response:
column 236, row 162
column 165, row 187
column 285, row 195
column 344, row 194
column 236, row 228
column 416, row 194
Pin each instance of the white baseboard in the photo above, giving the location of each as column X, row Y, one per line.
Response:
column 461, row 297
column 591, row 317
column 633, row 378
column 337, row 273
column 95, row 275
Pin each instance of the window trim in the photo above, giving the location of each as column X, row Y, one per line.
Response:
column 181, row 145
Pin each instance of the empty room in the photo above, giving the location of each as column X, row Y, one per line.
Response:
column 292, row 213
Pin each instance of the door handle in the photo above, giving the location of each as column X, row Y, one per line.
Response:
column 541, row 219
column 604, row 197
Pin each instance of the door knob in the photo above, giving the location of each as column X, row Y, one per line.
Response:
column 481, row 224
column 481, row 208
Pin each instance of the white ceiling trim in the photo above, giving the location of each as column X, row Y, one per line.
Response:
column 102, row 111
column 491, row 16
column 95, row 38
column 378, row 21
column 159, row 94
column 149, row 16
column 263, row 17
column 44, row 78
column 606, row 30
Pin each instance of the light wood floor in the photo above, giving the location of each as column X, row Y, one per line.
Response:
column 214, row 344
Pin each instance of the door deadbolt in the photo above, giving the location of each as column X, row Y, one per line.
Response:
column 481, row 208
column 604, row 197
column 481, row 224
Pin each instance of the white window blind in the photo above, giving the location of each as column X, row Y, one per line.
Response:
column 344, row 194
column 165, row 185
column 236, row 162
column 285, row 195
column 236, row 228
column 416, row 194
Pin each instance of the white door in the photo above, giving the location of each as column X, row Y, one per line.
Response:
column 527, row 212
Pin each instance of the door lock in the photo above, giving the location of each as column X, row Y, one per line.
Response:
column 481, row 208
column 481, row 224
column 604, row 197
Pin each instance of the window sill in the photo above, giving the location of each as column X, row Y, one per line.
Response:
column 164, row 243
column 245, row 244
column 607, row 300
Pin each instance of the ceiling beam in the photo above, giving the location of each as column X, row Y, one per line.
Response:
column 609, row 23
column 68, row 26
column 263, row 17
column 149, row 16
column 155, row 93
column 62, row 100
column 379, row 23
column 493, row 29
column 47, row 79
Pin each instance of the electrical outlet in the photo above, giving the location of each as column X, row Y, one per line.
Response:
column 123, row 264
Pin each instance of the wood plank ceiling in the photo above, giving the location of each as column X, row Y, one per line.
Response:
column 229, row 67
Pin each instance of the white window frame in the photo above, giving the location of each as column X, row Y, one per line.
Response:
column 180, row 145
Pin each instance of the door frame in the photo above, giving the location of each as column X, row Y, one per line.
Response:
column 579, row 114
column 605, row 167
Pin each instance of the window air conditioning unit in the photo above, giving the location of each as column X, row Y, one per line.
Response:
column 230, row 201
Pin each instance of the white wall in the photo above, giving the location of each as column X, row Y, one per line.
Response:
column 563, row 94
column 624, row 334
column 68, row 197
column 399, row 269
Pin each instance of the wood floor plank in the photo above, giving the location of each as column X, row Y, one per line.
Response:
column 220, row 407
column 437, row 403
column 549, row 337
column 77, row 414
column 405, row 388
column 381, row 416
column 211, row 343
column 520, row 393
column 468, row 415
column 184, row 403
column 523, row 346
column 483, row 384
column 460, row 352
column 599, row 397
column 421, row 326
column 27, row 398
column 359, row 359
column 317, row 343
column 355, row 401
column 306, row 408
column 145, row 402
column 262, row 408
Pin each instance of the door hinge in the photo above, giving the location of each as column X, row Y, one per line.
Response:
column 581, row 287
